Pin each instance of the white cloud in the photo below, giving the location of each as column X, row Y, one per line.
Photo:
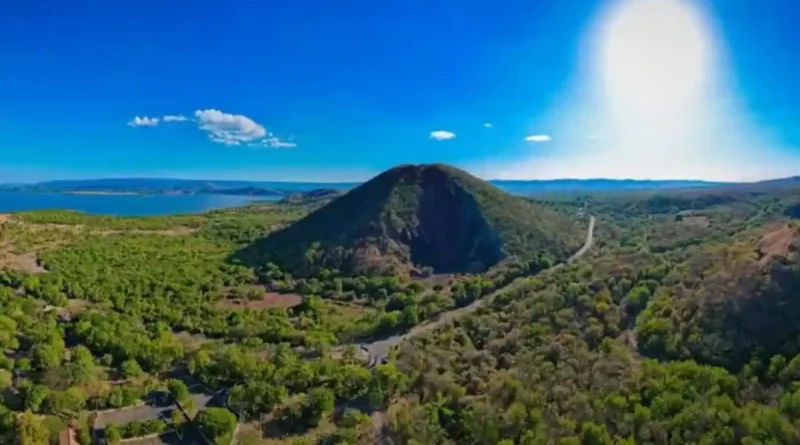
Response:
column 277, row 143
column 274, row 142
column 538, row 138
column 488, row 125
column 143, row 121
column 442, row 135
column 229, row 129
column 222, row 128
column 175, row 118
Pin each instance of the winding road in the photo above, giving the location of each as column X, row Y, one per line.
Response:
column 379, row 350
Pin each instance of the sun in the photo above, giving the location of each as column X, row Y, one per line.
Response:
column 654, row 56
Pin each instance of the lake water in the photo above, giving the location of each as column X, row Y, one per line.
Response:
column 123, row 205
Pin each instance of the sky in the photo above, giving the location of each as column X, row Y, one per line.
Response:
column 338, row 91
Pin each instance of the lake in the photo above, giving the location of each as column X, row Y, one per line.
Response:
column 123, row 205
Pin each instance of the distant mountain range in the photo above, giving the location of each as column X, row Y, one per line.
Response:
column 161, row 186
column 166, row 186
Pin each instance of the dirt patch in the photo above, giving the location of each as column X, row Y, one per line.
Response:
column 269, row 300
column 695, row 221
column 75, row 305
column 25, row 262
column 777, row 242
column 442, row 279
column 192, row 341
column 4, row 217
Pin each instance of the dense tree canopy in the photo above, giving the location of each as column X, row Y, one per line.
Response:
column 677, row 327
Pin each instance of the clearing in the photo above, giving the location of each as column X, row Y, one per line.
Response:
column 25, row 262
column 268, row 300
column 777, row 242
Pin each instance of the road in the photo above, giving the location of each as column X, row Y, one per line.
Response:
column 379, row 350
column 140, row 413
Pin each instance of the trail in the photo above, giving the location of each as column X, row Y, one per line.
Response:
column 379, row 350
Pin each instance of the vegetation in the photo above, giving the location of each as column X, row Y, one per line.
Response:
column 424, row 218
column 678, row 326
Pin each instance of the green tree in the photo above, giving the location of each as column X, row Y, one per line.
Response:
column 217, row 424
column 112, row 434
column 178, row 389
column 33, row 395
column 130, row 368
column 320, row 401
column 8, row 333
column 594, row 434
column 30, row 430
column 6, row 378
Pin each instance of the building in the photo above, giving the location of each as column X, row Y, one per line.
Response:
column 67, row 437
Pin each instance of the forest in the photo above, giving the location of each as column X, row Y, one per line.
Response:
column 676, row 327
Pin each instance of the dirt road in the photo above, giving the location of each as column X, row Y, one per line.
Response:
column 379, row 350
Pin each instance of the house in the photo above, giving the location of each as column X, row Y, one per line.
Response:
column 67, row 437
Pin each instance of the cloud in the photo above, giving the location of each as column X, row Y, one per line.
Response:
column 143, row 121
column 277, row 143
column 442, row 135
column 229, row 129
column 538, row 138
column 488, row 125
column 594, row 137
column 175, row 118
column 273, row 142
column 222, row 128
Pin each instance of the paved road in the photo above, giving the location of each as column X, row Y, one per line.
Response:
column 143, row 412
column 379, row 350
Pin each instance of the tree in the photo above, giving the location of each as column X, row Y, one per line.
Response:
column 256, row 398
column 217, row 424
column 6, row 378
column 33, row 395
column 8, row 333
column 594, row 434
column 130, row 368
column 386, row 381
column 70, row 401
column 7, row 420
column 47, row 355
column 320, row 401
column 177, row 417
column 30, row 430
column 112, row 434
column 178, row 389
column 81, row 366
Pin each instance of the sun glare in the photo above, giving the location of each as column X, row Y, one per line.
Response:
column 654, row 58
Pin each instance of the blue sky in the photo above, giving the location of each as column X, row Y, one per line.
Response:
column 322, row 91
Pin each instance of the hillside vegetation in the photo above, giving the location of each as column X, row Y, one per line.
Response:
column 416, row 217
column 693, row 343
column 677, row 327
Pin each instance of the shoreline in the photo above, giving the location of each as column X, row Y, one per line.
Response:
column 100, row 193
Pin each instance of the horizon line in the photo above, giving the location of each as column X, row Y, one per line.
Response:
column 584, row 179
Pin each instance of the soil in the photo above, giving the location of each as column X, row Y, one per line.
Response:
column 698, row 221
column 777, row 242
column 269, row 300
column 25, row 262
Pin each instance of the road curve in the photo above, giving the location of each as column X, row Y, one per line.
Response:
column 379, row 350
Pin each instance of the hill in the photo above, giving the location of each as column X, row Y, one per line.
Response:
column 278, row 188
column 313, row 197
column 420, row 216
column 169, row 186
